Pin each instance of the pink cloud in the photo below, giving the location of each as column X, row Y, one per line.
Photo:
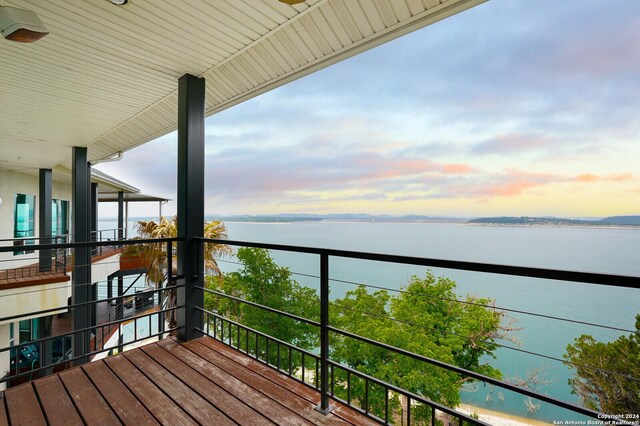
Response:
column 510, row 189
column 454, row 168
column 621, row 177
column 588, row 177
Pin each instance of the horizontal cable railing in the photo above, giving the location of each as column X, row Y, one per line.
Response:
column 328, row 366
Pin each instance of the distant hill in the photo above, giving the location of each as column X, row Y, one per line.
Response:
column 622, row 220
column 630, row 221
column 347, row 217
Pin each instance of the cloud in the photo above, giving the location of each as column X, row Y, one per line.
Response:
column 588, row 177
column 510, row 143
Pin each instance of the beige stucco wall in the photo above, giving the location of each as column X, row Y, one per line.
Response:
column 34, row 298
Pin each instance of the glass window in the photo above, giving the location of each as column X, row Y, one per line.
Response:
column 29, row 330
column 24, row 220
column 59, row 217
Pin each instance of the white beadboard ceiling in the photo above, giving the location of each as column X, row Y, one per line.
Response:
column 106, row 76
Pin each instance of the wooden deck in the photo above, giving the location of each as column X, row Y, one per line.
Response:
column 199, row 382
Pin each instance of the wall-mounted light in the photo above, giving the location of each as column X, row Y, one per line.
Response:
column 21, row 25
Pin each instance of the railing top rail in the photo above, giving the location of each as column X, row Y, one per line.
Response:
column 521, row 271
column 107, row 230
column 4, row 249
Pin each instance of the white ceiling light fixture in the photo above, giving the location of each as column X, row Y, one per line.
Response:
column 119, row 2
column 292, row 2
column 21, row 25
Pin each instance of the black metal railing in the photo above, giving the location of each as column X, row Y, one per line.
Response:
column 50, row 353
column 314, row 368
column 58, row 258
column 326, row 368
column 102, row 235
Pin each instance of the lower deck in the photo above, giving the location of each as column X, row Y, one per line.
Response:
column 168, row 382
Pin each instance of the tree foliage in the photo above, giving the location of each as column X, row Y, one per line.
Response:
column 262, row 281
column 607, row 374
column 425, row 318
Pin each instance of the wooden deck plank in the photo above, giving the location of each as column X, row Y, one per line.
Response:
column 23, row 406
column 56, row 404
column 120, row 399
column 292, row 392
column 268, row 373
column 198, row 382
column 233, row 407
column 259, row 401
column 160, row 405
column 4, row 420
column 92, row 407
column 194, row 404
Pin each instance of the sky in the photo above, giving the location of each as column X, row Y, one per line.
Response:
column 513, row 108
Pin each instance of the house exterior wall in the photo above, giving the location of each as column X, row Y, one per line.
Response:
column 12, row 183
column 34, row 298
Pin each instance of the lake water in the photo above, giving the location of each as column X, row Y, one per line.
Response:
column 605, row 250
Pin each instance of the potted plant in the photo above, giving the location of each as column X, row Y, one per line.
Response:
column 135, row 256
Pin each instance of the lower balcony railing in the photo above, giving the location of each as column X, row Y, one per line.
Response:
column 54, row 342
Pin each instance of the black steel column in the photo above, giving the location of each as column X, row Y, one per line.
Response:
column 120, row 215
column 324, row 406
column 191, row 99
column 45, row 327
column 81, row 280
column 94, row 216
column 45, row 200
column 44, row 218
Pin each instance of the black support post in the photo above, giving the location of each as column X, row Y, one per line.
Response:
column 191, row 98
column 94, row 215
column 120, row 215
column 45, row 200
column 44, row 218
column 324, row 406
column 81, row 280
column 46, row 348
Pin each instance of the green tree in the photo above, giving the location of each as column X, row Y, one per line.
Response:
column 607, row 374
column 425, row 318
column 262, row 281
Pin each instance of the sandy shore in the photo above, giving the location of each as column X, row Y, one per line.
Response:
column 497, row 418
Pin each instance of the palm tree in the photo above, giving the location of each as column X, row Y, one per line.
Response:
column 156, row 254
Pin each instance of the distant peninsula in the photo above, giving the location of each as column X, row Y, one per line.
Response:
column 626, row 221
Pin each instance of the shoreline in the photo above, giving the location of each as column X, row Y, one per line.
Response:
column 499, row 418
